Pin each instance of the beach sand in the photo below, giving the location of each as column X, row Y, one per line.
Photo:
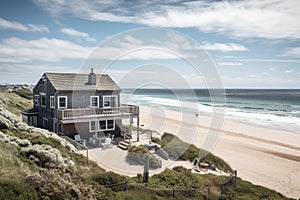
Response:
column 263, row 156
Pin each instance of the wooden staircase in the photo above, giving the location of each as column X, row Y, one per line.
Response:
column 124, row 144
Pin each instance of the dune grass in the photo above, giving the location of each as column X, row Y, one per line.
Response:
column 176, row 148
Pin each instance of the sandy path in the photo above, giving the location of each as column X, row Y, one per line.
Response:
column 263, row 156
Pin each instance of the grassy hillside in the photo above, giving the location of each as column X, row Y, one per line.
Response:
column 14, row 102
column 37, row 164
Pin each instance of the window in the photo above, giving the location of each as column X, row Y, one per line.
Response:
column 94, row 101
column 92, row 126
column 62, row 102
column 52, row 102
column 103, row 125
column 45, row 85
column 36, row 99
column 43, row 100
column 110, row 101
column 110, row 125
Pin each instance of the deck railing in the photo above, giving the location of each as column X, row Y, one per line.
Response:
column 76, row 113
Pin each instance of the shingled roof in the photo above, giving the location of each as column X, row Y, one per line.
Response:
column 71, row 82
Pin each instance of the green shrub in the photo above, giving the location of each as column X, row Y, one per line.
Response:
column 110, row 178
column 16, row 189
column 138, row 155
column 39, row 139
column 156, row 140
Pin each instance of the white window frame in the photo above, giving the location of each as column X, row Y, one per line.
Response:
column 97, row 106
column 113, row 128
column 37, row 100
column 106, row 122
column 90, row 126
column 99, row 127
column 52, row 102
column 58, row 101
column 109, row 96
column 43, row 95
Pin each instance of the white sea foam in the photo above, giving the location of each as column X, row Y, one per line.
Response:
column 162, row 101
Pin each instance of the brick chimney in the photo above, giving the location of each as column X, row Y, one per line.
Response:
column 92, row 78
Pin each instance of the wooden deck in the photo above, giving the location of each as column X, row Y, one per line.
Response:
column 79, row 113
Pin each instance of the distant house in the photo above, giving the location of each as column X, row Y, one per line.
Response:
column 85, row 104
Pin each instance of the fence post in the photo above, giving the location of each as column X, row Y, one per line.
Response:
column 235, row 176
column 173, row 192
column 208, row 191
column 87, row 154
column 126, row 185
column 146, row 169
column 222, row 189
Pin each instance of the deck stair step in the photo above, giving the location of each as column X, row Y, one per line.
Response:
column 123, row 145
column 126, row 141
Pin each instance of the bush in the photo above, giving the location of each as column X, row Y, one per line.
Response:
column 156, row 140
column 16, row 189
column 110, row 178
column 138, row 155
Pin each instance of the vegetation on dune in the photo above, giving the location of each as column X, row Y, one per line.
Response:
column 14, row 103
column 24, row 175
column 176, row 148
column 25, row 93
column 138, row 154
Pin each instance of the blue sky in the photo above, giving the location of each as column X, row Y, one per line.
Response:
column 252, row 44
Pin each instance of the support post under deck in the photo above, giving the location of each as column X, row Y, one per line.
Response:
column 138, row 128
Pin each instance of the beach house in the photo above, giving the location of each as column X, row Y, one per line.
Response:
column 85, row 104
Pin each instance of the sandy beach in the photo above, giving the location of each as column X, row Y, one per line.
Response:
column 264, row 156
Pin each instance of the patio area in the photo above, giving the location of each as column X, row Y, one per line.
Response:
column 114, row 159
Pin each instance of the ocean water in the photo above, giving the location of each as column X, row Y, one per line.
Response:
column 279, row 109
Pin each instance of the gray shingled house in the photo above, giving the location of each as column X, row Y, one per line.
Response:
column 84, row 104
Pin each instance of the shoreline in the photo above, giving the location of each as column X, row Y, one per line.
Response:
column 264, row 156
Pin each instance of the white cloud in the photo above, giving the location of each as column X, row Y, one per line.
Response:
column 224, row 47
column 265, row 73
column 269, row 60
column 5, row 24
column 244, row 19
column 288, row 71
column 18, row 50
column 30, row 73
column 75, row 33
column 230, row 64
column 271, row 69
column 294, row 52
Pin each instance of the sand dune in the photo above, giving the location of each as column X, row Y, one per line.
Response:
column 264, row 156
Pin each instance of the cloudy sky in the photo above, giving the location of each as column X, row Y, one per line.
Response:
column 252, row 43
